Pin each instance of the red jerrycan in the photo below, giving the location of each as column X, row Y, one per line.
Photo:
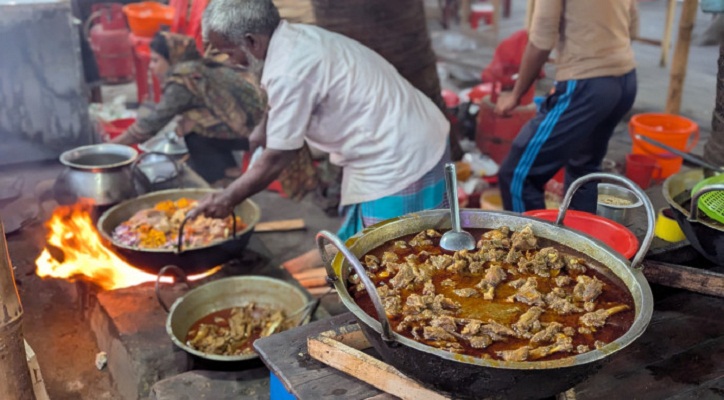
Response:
column 107, row 34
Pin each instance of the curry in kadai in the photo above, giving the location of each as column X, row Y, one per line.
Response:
column 514, row 298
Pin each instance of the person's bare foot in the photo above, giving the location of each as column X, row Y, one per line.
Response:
column 308, row 260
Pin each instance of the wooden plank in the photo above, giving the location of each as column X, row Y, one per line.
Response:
column 368, row 369
column 306, row 378
column 280, row 226
column 35, row 376
column 681, row 277
column 681, row 56
column 668, row 28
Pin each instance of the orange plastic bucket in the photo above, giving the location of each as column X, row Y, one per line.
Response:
column 676, row 131
column 146, row 18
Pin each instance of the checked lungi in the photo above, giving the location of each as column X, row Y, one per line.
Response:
column 426, row 193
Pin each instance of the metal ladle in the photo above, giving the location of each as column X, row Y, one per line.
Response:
column 455, row 239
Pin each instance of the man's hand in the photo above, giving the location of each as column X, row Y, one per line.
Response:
column 506, row 104
column 215, row 205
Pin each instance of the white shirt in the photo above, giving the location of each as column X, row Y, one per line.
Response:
column 346, row 100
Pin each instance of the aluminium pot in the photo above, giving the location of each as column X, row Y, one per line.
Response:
column 191, row 261
column 98, row 173
column 705, row 235
column 472, row 377
column 226, row 293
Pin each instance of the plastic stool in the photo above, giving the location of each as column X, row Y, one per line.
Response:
column 481, row 11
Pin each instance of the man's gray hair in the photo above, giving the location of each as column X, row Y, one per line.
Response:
column 234, row 19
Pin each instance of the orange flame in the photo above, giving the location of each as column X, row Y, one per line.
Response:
column 71, row 230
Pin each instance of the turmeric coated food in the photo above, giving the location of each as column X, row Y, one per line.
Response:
column 158, row 227
column 514, row 298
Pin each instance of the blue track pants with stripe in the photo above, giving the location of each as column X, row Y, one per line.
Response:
column 571, row 130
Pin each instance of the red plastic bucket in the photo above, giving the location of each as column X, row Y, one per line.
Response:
column 641, row 169
column 676, row 131
column 615, row 235
column 116, row 127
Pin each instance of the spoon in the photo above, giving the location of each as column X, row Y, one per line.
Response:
column 455, row 239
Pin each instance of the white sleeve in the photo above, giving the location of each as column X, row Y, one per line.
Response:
column 291, row 102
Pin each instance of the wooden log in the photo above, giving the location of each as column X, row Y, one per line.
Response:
column 668, row 27
column 681, row 56
column 280, row 226
column 681, row 277
column 337, row 354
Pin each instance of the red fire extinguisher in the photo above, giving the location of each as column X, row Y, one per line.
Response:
column 107, row 33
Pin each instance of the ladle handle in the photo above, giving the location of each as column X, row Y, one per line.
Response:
column 451, row 183
column 179, row 273
column 361, row 272
column 636, row 263
column 694, row 208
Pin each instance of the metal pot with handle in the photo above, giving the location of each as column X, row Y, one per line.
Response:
column 99, row 173
column 477, row 377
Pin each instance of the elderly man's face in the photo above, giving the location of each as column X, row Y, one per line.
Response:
column 220, row 44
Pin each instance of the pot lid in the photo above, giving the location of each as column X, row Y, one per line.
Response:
column 166, row 143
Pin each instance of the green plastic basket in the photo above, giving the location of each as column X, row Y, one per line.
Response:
column 712, row 203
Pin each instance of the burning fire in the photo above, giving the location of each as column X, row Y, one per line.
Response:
column 71, row 231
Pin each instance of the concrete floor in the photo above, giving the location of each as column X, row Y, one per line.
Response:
column 54, row 324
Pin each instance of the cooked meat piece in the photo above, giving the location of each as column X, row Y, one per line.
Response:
column 441, row 262
column 436, row 333
column 414, row 319
column 458, row 266
column 443, row 305
column 560, row 292
column 561, row 305
column 461, row 255
column 431, row 233
column 563, row 280
column 412, row 259
column 516, row 284
column 523, row 240
column 492, row 254
column 545, row 261
column 448, row 282
column 393, row 305
column 416, row 333
column 385, row 291
column 563, row 344
column 514, row 257
column 476, row 267
column 589, row 306
column 598, row 344
column 401, row 245
column 493, row 277
column 372, row 262
column 529, row 294
column 597, row 319
column 528, row 322
column 393, row 267
column 582, row 348
column 472, row 327
column 574, row 265
column 404, row 277
column 445, row 322
column 569, row 331
column 414, row 304
column 422, row 272
column 520, row 354
column 548, row 334
column 428, row 289
column 480, row 342
column 421, row 241
column 587, row 289
column 585, row 331
column 497, row 331
column 389, row 257
column 498, row 238
column 466, row 292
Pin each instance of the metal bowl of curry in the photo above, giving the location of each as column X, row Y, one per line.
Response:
column 534, row 310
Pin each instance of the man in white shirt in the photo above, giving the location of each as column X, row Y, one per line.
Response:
column 340, row 97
